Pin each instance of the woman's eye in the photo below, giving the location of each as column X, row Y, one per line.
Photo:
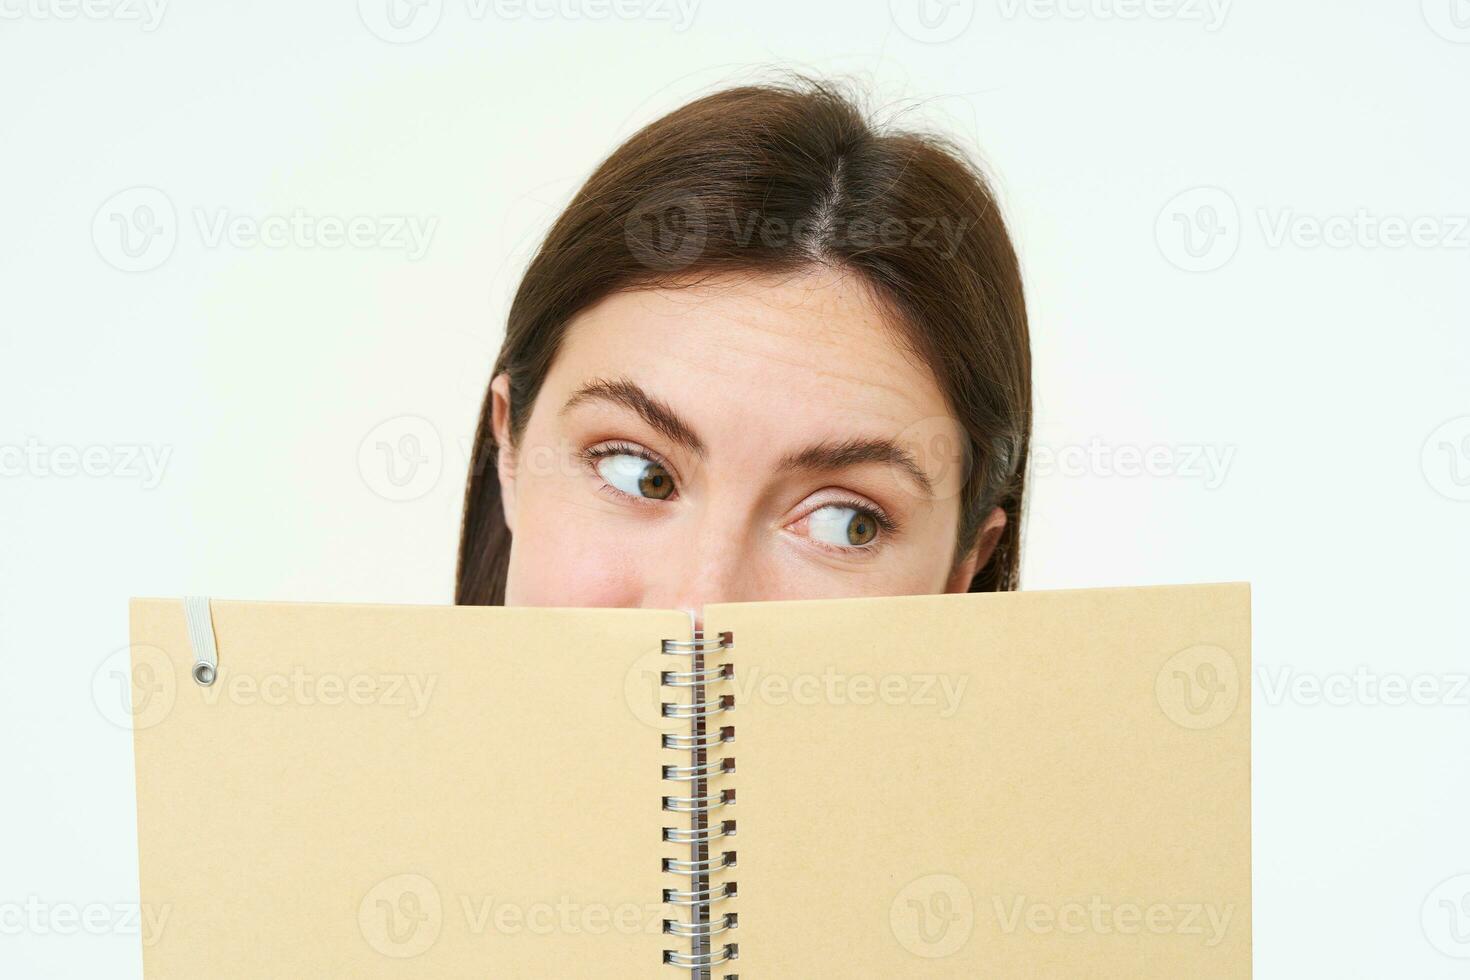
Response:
column 843, row 526
column 636, row 476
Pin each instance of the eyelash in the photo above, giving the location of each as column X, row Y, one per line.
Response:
column 591, row 456
column 885, row 523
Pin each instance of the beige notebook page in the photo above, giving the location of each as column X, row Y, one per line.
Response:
column 1033, row 784
column 401, row 791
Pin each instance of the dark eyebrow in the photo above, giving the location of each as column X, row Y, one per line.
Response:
column 827, row 455
column 836, row 454
column 656, row 413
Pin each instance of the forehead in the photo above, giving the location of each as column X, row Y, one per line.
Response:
column 781, row 358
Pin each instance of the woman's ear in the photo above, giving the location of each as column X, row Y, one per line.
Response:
column 505, row 457
column 985, row 542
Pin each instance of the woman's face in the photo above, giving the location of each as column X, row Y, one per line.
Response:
column 737, row 440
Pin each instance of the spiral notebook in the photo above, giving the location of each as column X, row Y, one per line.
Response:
column 1029, row 784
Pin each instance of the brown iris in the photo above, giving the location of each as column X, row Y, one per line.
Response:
column 656, row 482
column 861, row 529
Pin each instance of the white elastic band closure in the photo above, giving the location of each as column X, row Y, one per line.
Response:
column 201, row 639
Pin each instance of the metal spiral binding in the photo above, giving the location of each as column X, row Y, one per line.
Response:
column 705, row 899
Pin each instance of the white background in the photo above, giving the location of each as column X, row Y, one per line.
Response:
column 1150, row 157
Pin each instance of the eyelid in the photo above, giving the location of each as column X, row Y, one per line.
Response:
column 618, row 447
column 888, row 528
column 885, row 523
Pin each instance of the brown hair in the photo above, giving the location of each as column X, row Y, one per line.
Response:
column 768, row 179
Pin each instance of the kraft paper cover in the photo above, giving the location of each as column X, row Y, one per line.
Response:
column 401, row 791
column 1031, row 784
